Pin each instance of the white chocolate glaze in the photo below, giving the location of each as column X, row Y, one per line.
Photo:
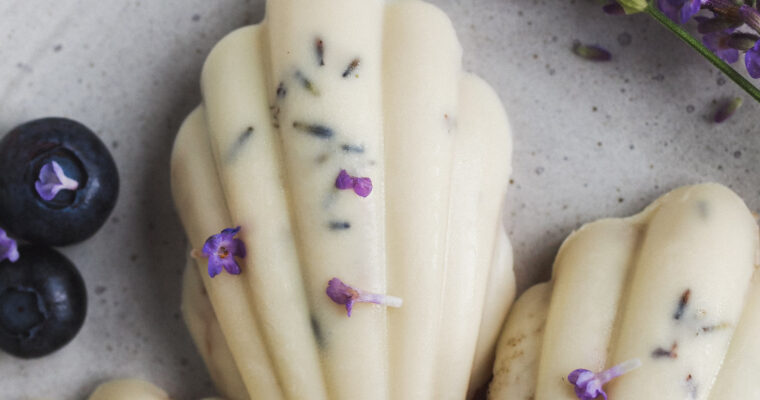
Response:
column 280, row 118
column 672, row 286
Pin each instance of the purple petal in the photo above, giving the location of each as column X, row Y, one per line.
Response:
column 589, row 385
column 8, row 248
column 752, row 61
column 236, row 247
column 212, row 245
column 717, row 43
column 229, row 264
column 344, row 180
column 363, row 186
column 679, row 11
column 667, row 8
column 229, row 233
column 690, row 9
column 52, row 180
column 346, row 295
column 214, row 266
column 573, row 376
column 221, row 250
column 729, row 55
column 339, row 292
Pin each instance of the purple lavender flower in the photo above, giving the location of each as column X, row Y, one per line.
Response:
column 221, row 250
column 52, row 180
column 361, row 186
column 717, row 42
column 346, row 295
column 679, row 11
column 588, row 385
column 752, row 60
column 8, row 247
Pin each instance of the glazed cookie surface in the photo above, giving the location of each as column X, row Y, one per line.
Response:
column 345, row 140
column 673, row 289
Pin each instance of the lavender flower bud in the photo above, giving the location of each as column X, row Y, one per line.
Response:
column 742, row 41
column 728, row 109
column 633, row 6
column 751, row 17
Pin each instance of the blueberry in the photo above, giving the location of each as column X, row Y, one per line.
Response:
column 43, row 302
column 72, row 215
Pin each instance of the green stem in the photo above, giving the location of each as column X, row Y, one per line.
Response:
column 704, row 51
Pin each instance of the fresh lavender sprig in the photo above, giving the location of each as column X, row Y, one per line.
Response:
column 722, row 42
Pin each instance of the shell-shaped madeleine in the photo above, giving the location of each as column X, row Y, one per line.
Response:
column 375, row 88
column 674, row 287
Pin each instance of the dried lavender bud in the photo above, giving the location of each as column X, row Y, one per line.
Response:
column 275, row 111
column 348, row 148
column 351, row 67
column 307, row 84
column 239, row 142
column 281, row 90
column 712, row 328
column 665, row 353
column 339, row 225
column 591, row 53
column 319, row 131
column 682, row 303
column 728, row 109
column 319, row 47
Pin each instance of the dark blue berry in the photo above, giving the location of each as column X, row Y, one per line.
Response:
column 43, row 302
column 71, row 216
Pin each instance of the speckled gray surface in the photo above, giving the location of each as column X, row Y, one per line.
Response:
column 591, row 140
